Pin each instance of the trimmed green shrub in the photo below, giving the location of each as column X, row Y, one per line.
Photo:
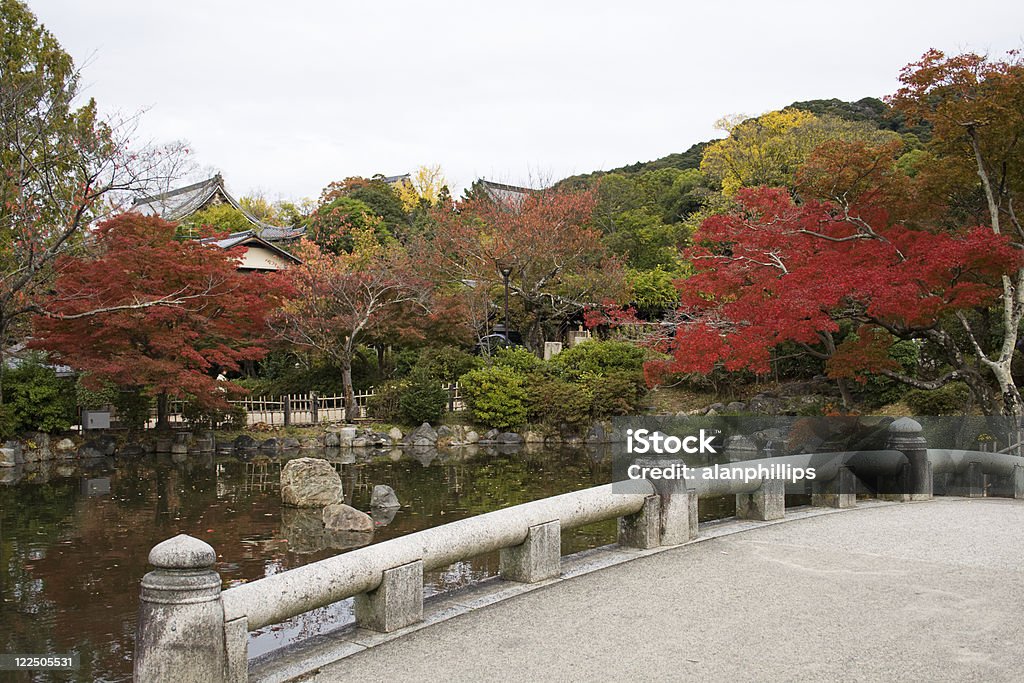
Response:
column 617, row 393
column 35, row 399
column 555, row 402
column 445, row 363
column 518, row 359
column 952, row 399
column 598, row 358
column 422, row 399
column 496, row 396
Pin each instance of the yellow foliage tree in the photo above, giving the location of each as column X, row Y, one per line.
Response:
column 424, row 184
column 768, row 150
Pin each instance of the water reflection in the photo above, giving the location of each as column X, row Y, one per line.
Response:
column 74, row 536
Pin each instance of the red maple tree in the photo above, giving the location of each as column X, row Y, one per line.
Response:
column 145, row 310
column 775, row 271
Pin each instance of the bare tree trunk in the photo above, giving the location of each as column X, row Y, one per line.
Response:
column 351, row 412
column 844, row 387
column 162, row 423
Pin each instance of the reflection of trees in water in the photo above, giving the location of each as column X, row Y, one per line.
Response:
column 70, row 564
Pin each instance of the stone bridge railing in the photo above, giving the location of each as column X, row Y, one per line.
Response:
column 189, row 630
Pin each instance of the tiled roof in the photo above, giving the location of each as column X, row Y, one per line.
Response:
column 249, row 237
column 182, row 202
column 503, row 192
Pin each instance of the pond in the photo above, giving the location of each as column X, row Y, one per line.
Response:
column 75, row 536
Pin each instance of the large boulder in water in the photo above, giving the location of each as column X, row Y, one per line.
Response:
column 341, row 517
column 310, row 483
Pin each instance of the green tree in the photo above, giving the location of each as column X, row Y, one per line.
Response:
column 333, row 225
column 214, row 219
column 63, row 167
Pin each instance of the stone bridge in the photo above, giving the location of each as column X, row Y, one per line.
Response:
column 903, row 584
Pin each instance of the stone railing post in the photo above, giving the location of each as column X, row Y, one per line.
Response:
column 180, row 633
column 905, row 436
column 397, row 602
column 539, row 557
column 840, row 492
column 678, row 505
column 642, row 529
column 765, row 504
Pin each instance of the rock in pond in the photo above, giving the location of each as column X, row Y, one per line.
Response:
column 384, row 496
column 309, row 483
column 341, row 517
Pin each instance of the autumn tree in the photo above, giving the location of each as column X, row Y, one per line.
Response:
column 556, row 260
column 777, row 272
column 350, row 206
column 425, row 186
column 340, row 300
column 768, row 150
column 146, row 311
column 973, row 104
column 63, row 165
column 217, row 218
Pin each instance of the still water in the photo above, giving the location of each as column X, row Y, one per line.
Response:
column 74, row 537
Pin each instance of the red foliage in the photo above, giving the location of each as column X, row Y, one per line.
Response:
column 609, row 313
column 557, row 262
column 776, row 272
column 149, row 310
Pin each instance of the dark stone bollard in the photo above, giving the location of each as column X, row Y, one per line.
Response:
column 840, row 492
column 905, row 436
column 180, row 634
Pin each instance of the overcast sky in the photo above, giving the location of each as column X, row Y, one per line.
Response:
column 284, row 97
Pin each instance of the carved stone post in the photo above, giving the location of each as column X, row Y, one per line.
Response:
column 180, row 634
column 905, row 436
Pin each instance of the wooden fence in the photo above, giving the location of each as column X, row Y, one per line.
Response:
column 302, row 409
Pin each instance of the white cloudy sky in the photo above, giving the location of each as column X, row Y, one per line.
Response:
column 284, row 97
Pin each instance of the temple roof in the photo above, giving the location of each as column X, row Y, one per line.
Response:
column 182, row 202
column 504, row 193
column 249, row 238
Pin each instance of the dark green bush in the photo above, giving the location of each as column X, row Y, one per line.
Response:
column 496, row 396
column 200, row 416
column 598, row 358
column 517, row 359
column 880, row 390
column 132, row 406
column 445, row 363
column 35, row 399
column 555, row 402
column 617, row 393
column 422, row 399
column 952, row 399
